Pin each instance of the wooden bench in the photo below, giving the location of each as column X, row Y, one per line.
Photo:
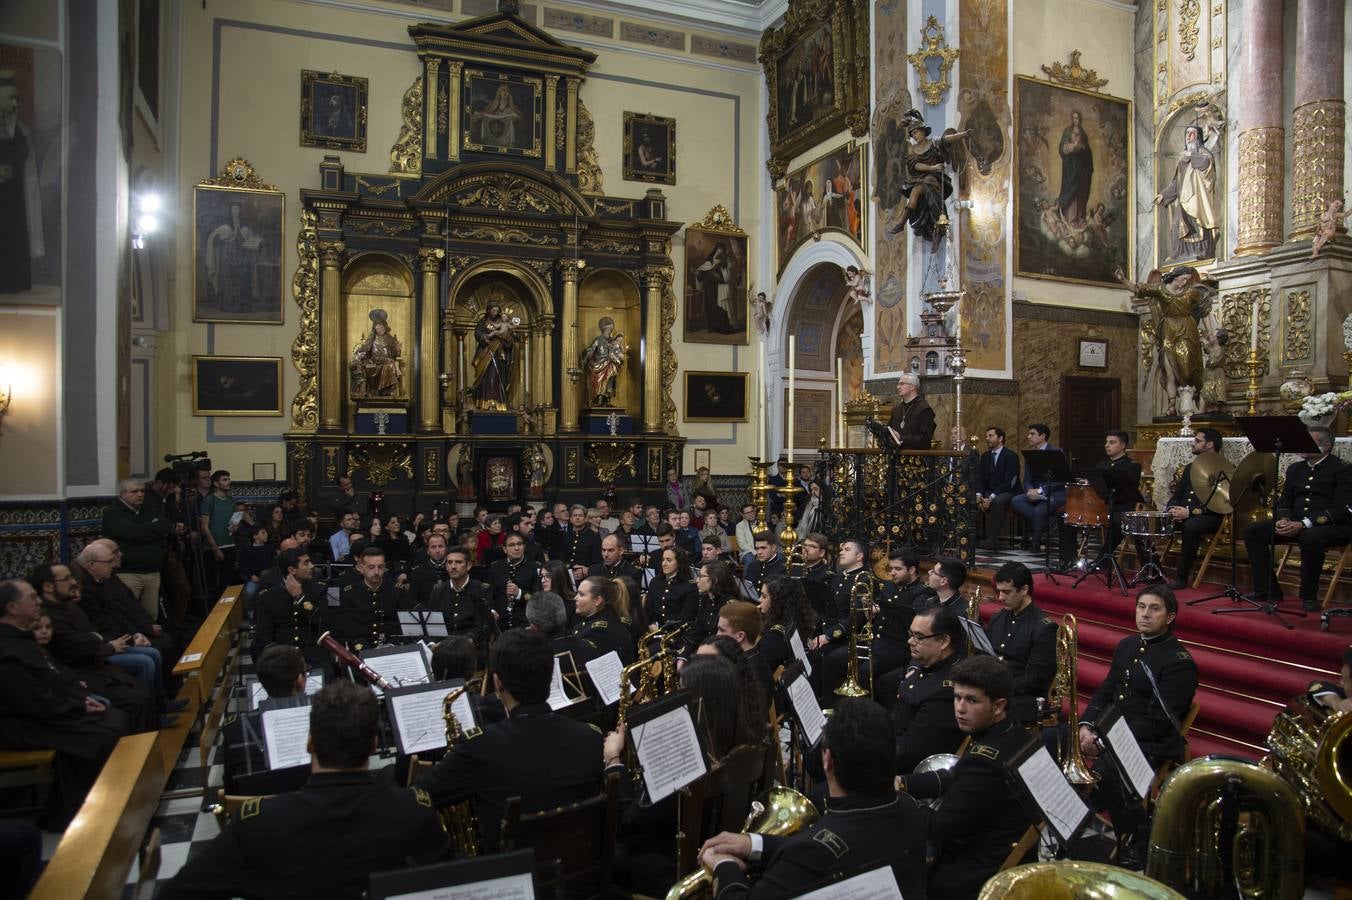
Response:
column 206, row 652
column 11, row 760
column 97, row 849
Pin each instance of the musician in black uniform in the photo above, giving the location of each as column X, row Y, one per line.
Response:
column 291, row 612
column 612, row 564
column 465, row 604
column 282, row 672
column 1151, row 681
column 769, row 561
column 671, row 597
column 1115, row 445
column 1314, row 511
column 912, row 422
column 836, row 618
column 428, row 573
column 981, row 816
column 945, row 578
column 578, row 545
column 1024, row 638
column 327, row 839
column 599, row 622
column 866, row 823
column 785, row 611
column 922, row 716
column 546, row 759
column 995, row 484
column 515, row 577
column 523, row 523
column 816, row 566
column 1191, row 517
column 898, row 599
column 368, row 604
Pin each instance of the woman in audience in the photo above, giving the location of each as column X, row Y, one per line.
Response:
column 255, row 558
column 785, row 611
column 672, row 598
column 488, row 545
column 276, row 524
column 395, row 542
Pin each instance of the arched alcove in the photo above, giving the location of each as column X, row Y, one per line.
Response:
column 375, row 282
column 612, row 294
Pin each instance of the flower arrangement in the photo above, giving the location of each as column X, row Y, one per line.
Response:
column 1319, row 407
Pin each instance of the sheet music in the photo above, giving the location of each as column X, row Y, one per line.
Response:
column 418, row 720
column 805, row 706
column 978, row 637
column 427, row 654
column 508, row 887
column 749, row 591
column 558, row 697
column 257, row 693
column 646, row 577
column 606, row 672
column 1128, row 753
column 1061, row 806
column 400, row 669
column 799, row 651
column 877, row 884
column 669, row 751
column 284, row 735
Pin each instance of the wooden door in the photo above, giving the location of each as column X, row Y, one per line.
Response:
column 1090, row 408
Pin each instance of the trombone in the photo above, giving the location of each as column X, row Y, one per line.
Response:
column 861, row 639
column 1064, row 691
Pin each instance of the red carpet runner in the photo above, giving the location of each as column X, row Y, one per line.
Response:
column 1248, row 665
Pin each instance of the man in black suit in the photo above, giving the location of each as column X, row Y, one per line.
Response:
column 1115, row 444
column 546, row 759
column 515, row 577
column 922, row 715
column 997, row 481
column 1191, row 518
column 867, row 823
column 1315, row 511
column 912, row 422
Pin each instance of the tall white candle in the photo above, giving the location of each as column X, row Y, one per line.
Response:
column 793, row 363
column 840, row 402
column 760, row 388
column 1253, row 326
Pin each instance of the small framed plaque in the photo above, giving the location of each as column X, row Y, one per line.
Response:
column 1093, row 353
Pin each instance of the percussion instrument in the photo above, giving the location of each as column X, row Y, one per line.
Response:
column 1084, row 507
column 1212, row 480
column 1147, row 524
column 1249, row 482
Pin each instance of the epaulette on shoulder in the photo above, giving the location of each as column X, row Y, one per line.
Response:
column 626, row 620
column 832, row 842
column 422, row 797
column 600, row 623
column 780, row 628
column 349, row 586
column 985, row 751
column 251, row 807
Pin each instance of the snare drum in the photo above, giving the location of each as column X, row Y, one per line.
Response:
column 1084, row 507
column 1147, row 524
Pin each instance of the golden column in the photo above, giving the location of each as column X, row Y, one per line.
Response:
column 1318, row 119
column 655, row 279
column 429, row 396
column 331, row 335
column 568, row 386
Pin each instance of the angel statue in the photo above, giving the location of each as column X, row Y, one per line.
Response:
column 603, row 359
column 1329, row 224
column 1181, row 306
column 858, row 286
column 376, row 369
column 761, row 309
column 925, row 184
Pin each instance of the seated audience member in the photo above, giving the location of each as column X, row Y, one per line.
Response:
column 741, row 621
column 456, row 657
column 114, row 610
column 290, row 613
column 340, row 542
column 866, row 823
column 1043, row 497
column 326, row 839
column 488, row 545
column 1024, row 638
column 546, row 759
column 923, row 711
column 995, row 484
column 41, row 710
column 981, row 817
column 282, row 672
column 254, row 558
column 745, row 534
column 784, row 612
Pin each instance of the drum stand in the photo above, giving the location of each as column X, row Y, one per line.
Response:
column 1104, row 565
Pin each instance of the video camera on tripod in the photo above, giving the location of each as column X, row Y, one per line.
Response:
column 187, row 465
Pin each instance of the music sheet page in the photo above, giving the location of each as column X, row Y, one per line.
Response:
column 284, row 734
column 876, row 884
column 1129, row 754
column 558, row 697
column 510, row 887
column 605, row 672
column 419, row 720
column 1060, row 805
column 807, row 709
column 669, row 751
column 400, row 669
column 799, row 651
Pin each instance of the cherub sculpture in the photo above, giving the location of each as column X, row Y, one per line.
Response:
column 858, row 286
column 1329, row 222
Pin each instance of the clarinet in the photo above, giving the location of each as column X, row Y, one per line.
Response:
column 344, row 655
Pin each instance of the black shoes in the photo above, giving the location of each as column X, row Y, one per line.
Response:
column 1178, row 584
column 1309, row 605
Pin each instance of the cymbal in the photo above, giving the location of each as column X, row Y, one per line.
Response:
column 1207, row 483
column 1252, row 468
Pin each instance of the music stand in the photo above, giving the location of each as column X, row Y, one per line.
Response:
column 882, row 435
column 1114, row 486
column 1042, row 467
column 1276, row 435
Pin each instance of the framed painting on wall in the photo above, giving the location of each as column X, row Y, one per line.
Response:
column 502, row 113
column 715, row 298
column 333, row 111
column 236, row 385
column 715, row 397
column 31, row 97
column 649, row 148
column 827, row 194
column 238, row 235
column 1073, row 206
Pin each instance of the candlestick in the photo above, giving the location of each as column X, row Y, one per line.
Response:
column 760, row 492
column 787, row 536
column 1252, row 392
column 793, row 361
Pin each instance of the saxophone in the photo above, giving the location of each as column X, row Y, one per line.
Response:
column 458, row 819
column 1063, row 690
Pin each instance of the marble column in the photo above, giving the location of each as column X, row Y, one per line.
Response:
column 654, row 285
column 1318, row 117
column 568, row 385
column 429, row 328
column 331, row 374
column 1261, row 134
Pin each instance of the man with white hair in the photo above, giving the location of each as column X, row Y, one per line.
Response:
column 912, row 423
column 141, row 532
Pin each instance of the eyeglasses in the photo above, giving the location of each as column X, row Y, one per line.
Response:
column 920, row 638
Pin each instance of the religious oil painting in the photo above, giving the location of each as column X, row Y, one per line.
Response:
column 30, row 174
column 649, row 148
column 236, row 385
column 502, row 113
column 827, row 194
column 715, row 287
column 805, row 81
column 333, row 111
column 238, row 238
column 715, row 397
column 1073, row 192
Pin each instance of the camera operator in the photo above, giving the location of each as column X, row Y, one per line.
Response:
column 165, row 492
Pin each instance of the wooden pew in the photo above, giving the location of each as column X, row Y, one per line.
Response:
column 206, row 652
column 96, row 851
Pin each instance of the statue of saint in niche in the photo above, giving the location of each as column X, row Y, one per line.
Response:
column 376, row 368
column 1181, row 308
column 604, row 359
column 492, row 358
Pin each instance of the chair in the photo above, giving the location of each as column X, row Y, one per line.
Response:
column 574, row 845
column 1020, row 849
column 149, row 868
column 719, row 801
column 1220, row 534
column 1168, row 765
column 1333, row 581
column 417, row 767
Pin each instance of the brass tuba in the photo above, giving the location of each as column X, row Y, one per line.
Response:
column 1063, row 691
column 780, row 811
column 459, row 819
column 1068, row 878
column 1225, row 828
column 1309, row 744
column 861, row 638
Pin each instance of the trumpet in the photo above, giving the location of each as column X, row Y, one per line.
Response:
column 1063, row 691
column 861, row 638
column 346, row 656
column 458, row 819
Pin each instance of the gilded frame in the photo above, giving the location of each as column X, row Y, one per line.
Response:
column 783, row 53
column 475, row 77
column 702, row 242
column 1028, row 126
column 637, row 122
column 708, row 413
column 318, row 87
column 263, row 212
column 263, row 367
column 813, row 171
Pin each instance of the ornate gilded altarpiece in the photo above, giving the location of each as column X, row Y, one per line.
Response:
column 493, row 199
